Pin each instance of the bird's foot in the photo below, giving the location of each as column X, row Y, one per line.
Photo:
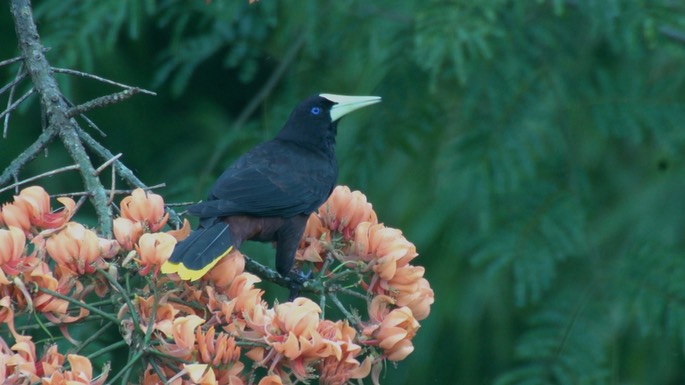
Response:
column 297, row 280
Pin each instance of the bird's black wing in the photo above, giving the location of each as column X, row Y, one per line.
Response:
column 276, row 178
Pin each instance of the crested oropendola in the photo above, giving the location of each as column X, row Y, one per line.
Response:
column 269, row 192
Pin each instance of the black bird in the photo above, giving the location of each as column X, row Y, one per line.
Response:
column 269, row 192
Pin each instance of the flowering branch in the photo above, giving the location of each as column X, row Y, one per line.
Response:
column 206, row 332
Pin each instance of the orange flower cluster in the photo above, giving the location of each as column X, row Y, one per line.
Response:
column 42, row 252
column 381, row 257
column 30, row 231
column 218, row 330
column 19, row 364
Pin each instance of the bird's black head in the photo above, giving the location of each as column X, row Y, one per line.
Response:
column 313, row 123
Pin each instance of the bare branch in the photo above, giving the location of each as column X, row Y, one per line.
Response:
column 17, row 103
column 124, row 172
column 102, row 101
column 27, row 155
column 87, row 119
column 111, row 192
column 101, row 79
column 10, row 61
column 673, row 33
column 272, row 276
column 21, row 74
column 107, row 163
column 43, row 175
column 55, row 107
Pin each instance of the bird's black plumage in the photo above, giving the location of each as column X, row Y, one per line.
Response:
column 269, row 192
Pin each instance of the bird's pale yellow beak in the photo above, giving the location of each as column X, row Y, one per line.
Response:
column 345, row 104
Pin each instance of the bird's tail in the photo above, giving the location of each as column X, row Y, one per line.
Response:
column 195, row 255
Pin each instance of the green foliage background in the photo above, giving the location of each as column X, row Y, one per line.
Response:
column 532, row 150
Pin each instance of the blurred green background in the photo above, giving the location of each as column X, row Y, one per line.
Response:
column 532, row 150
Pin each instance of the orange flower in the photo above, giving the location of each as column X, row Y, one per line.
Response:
column 7, row 316
column 231, row 375
column 200, row 374
column 340, row 368
column 345, row 209
column 81, row 373
column 17, row 215
column 150, row 376
column 21, row 365
column 145, row 207
column 271, row 380
column 164, row 317
column 127, row 232
column 228, row 268
column 77, row 248
column 383, row 247
column 12, row 244
column 55, row 309
column 32, row 207
column 394, row 332
column 51, row 362
column 419, row 300
column 221, row 350
column 154, row 250
column 183, row 332
column 39, row 204
column 315, row 240
column 301, row 316
column 242, row 283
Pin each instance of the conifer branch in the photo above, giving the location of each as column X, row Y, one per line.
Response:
column 55, row 108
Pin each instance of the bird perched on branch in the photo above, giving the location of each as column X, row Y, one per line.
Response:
column 269, row 192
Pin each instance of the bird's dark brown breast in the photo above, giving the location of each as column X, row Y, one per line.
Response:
column 244, row 228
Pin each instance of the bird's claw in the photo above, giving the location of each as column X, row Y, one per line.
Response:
column 297, row 280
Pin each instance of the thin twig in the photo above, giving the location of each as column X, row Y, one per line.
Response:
column 673, row 33
column 91, row 338
column 114, row 185
column 16, row 59
column 350, row 292
column 102, row 101
column 17, row 102
column 20, row 76
column 79, row 203
column 349, row 316
column 107, row 349
column 270, row 275
column 87, row 119
column 117, row 286
column 179, row 204
column 84, row 305
column 107, row 164
column 10, row 61
column 13, row 87
column 124, row 172
column 43, row 175
column 127, row 368
column 100, row 79
column 157, row 370
column 27, row 155
column 116, row 192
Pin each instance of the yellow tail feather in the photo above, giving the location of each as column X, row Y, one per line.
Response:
column 188, row 274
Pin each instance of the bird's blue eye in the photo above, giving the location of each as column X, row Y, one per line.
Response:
column 315, row 110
